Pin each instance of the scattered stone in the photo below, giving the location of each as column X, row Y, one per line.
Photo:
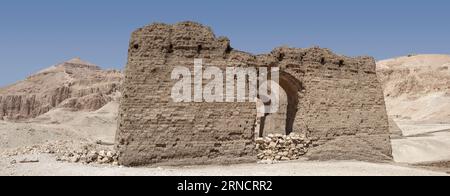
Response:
column 71, row 152
column 13, row 162
column 260, row 141
column 267, row 162
column 29, row 161
column 281, row 147
column 75, row 159
column 91, row 157
column 100, row 142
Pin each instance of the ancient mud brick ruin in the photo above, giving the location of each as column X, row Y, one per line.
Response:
column 336, row 101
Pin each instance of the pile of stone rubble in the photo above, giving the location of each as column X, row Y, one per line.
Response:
column 281, row 147
column 86, row 156
column 56, row 147
column 70, row 151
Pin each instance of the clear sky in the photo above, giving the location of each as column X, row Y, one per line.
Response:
column 37, row 34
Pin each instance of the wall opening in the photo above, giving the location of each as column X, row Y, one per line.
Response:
column 283, row 121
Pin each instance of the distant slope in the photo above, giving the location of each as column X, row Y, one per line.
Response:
column 74, row 84
column 417, row 87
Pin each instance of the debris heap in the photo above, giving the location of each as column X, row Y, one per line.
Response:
column 70, row 151
column 281, row 147
column 86, row 156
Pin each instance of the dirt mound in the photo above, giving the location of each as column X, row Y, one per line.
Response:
column 417, row 87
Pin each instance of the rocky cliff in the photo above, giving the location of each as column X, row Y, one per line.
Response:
column 417, row 87
column 74, row 84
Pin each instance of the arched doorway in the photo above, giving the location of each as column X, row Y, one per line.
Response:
column 281, row 122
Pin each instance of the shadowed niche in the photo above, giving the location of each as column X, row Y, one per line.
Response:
column 283, row 121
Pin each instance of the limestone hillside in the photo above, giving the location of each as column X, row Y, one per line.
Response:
column 417, row 87
column 74, row 84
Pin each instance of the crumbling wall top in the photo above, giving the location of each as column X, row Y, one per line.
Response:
column 185, row 39
column 194, row 40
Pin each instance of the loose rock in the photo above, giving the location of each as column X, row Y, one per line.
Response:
column 69, row 151
column 29, row 161
column 281, row 147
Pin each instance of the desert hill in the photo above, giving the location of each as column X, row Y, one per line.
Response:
column 74, row 84
column 417, row 87
column 417, row 93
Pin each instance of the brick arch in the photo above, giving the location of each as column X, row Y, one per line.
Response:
column 289, row 100
column 292, row 86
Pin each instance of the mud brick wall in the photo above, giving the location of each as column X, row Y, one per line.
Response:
column 341, row 105
column 154, row 129
column 339, row 102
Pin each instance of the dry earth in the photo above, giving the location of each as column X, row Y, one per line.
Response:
column 70, row 128
column 49, row 167
column 61, row 125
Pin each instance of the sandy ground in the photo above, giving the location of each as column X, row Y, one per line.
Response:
column 61, row 125
column 423, row 143
column 49, row 167
column 429, row 108
column 415, row 148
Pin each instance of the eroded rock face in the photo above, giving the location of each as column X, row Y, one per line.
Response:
column 417, row 88
column 74, row 84
column 336, row 101
column 415, row 75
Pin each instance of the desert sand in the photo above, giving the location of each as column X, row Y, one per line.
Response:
column 417, row 88
column 417, row 93
column 49, row 167
column 60, row 125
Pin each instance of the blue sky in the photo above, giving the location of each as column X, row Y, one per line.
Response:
column 37, row 34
